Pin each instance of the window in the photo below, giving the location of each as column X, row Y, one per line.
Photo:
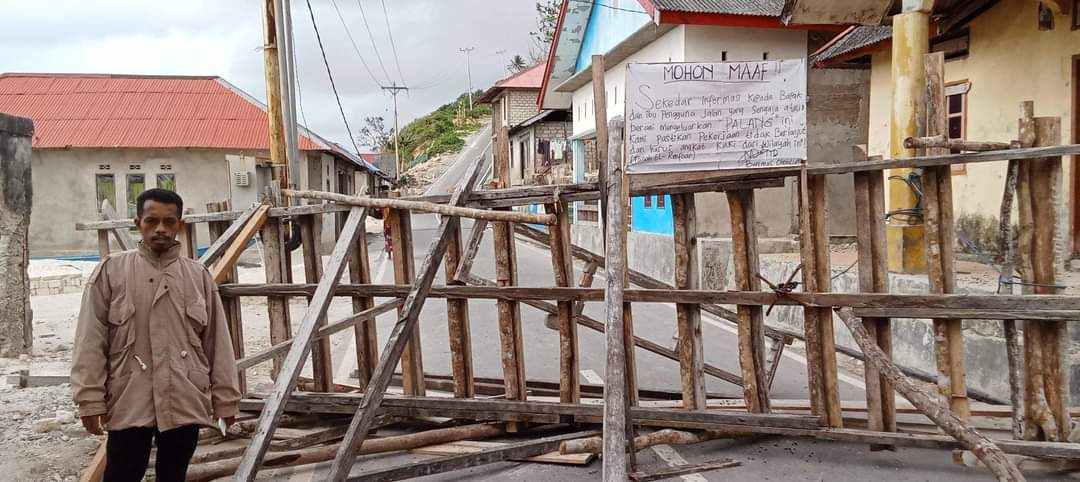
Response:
column 723, row 56
column 764, row 56
column 105, row 187
column 648, row 201
column 660, row 201
column 136, row 184
column 166, row 181
column 956, row 106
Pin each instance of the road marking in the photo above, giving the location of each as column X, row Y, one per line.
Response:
column 673, row 459
column 712, row 320
column 592, row 377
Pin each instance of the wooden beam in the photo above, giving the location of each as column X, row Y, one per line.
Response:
column 688, row 316
column 511, row 345
column 322, row 363
column 941, row 142
column 399, row 335
column 682, row 470
column 618, row 429
column 457, row 322
column 475, row 238
column 983, row 448
column 225, row 238
column 751, row 320
column 122, row 235
column 512, row 451
column 287, row 378
column 426, row 207
column 229, row 257
column 277, row 271
column 365, row 335
column 401, row 253
column 563, row 266
column 233, row 313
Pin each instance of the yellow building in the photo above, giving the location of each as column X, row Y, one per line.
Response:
column 999, row 53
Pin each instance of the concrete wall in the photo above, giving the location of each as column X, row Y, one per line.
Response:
column 1010, row 61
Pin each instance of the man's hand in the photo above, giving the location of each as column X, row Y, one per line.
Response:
column 94, row 424
column 229, row 421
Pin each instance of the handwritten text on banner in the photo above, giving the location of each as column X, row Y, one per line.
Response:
column 706, row 116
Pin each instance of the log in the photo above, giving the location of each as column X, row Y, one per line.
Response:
column 426, row 207
column 457, row 322
column 511, row 345
column 563, row 267
column 322, row 363
column 688, row 316
column 275, row 263
column 983, row 448
column 467, row 258
column 594, row 445
column 751, row 318
column 401, row 253
column 940, row 142
column 225, row 468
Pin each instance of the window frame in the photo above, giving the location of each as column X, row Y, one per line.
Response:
column 962, row 115
column 97, row 189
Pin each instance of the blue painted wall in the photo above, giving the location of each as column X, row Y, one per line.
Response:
column 652, row 219
column 608, row 26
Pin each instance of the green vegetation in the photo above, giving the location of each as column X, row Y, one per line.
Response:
column 442, row 131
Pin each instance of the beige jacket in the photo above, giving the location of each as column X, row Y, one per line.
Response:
column 152, row 347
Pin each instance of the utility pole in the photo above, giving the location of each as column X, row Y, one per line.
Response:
column 468, row 73
column 393, row 90
column 274, row 114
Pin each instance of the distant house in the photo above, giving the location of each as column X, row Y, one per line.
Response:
column 638, row 31
column 539, row 151
column 100, row 137
column 997, row 55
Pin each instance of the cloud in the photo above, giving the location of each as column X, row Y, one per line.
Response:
column 214, row 37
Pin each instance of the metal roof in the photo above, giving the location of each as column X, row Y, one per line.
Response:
column 851, row 40
column 765, row 8
column 530, row 78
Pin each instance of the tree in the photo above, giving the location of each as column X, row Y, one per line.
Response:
column 375, row 134
column 517, row 64
column 547, row 16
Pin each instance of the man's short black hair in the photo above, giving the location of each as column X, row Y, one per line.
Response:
column 163, row 196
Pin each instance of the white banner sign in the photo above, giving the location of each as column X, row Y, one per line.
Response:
column 707, row 116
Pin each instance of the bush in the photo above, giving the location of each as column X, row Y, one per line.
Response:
column 982, row 233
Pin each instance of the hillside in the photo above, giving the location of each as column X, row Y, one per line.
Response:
column 442, row 131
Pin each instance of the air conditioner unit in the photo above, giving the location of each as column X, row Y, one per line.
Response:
column 242, row 179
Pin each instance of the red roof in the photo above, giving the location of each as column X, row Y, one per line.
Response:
column 530, row 78
column 138, row 111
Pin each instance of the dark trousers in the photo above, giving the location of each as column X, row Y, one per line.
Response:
column 128, row 453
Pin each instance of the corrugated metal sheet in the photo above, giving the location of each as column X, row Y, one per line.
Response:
column 854, row 39
column 765, row 8
column 114, row 111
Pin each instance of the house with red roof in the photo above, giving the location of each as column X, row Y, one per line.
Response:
column 539, row 148
column 106, row 138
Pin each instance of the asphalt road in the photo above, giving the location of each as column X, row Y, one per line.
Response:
column 763, row 459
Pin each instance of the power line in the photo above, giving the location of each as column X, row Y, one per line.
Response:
column 609, row 6
column 353, row 42
column 393, row 46
column 333, row 87
column 363, row 16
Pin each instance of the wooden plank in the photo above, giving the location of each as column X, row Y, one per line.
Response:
column 189, row 242
column 233, row 314
column 321, row 360
column 276, row 269
column 818, row 191
column 365, row 334
column 228, row 259
column 401, row 253
column 513, row 451
column 682, row 470
column 688, row 316
column 815, row 366
column 475, row 238
column 103, row 245
column 395, row 345
column 351, row 321
column 287, row 378
column 457, row 320
column 121, row 234
column 751, row 345
column 473, row 446
column 222, row 239
column 865, row 220
column 563, row 267
column 95, row 470
column 927, row 313
column 587, row 278
column 426, row 207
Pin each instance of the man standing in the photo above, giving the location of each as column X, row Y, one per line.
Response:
column 153, row 358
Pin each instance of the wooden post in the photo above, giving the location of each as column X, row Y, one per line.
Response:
column 231, row 305
column 512, row 350
column 366, row 337
column 103, row 243
column 821, row 340
column 688, row 316
column 412, row 363
column 1046, row 382
column 322, row 364
column 599, row 87
column 873, row 278
column 457, row 319
column 287, row 379
column 563, row 266
column 395, row 345
column 940, row 242
column 751, row 320
column 277, row 307
column 618, row 427
column 189, row 245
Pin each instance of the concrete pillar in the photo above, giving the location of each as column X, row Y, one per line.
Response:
column 910, row 43
column 16, row 195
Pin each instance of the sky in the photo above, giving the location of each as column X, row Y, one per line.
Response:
column 224, row 38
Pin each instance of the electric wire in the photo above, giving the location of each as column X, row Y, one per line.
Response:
column 608, row 6
column 393, row 46
column 348, row 33
column 329, row 74
column 363, row 16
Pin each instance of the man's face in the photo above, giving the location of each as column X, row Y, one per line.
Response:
column 159, row 224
